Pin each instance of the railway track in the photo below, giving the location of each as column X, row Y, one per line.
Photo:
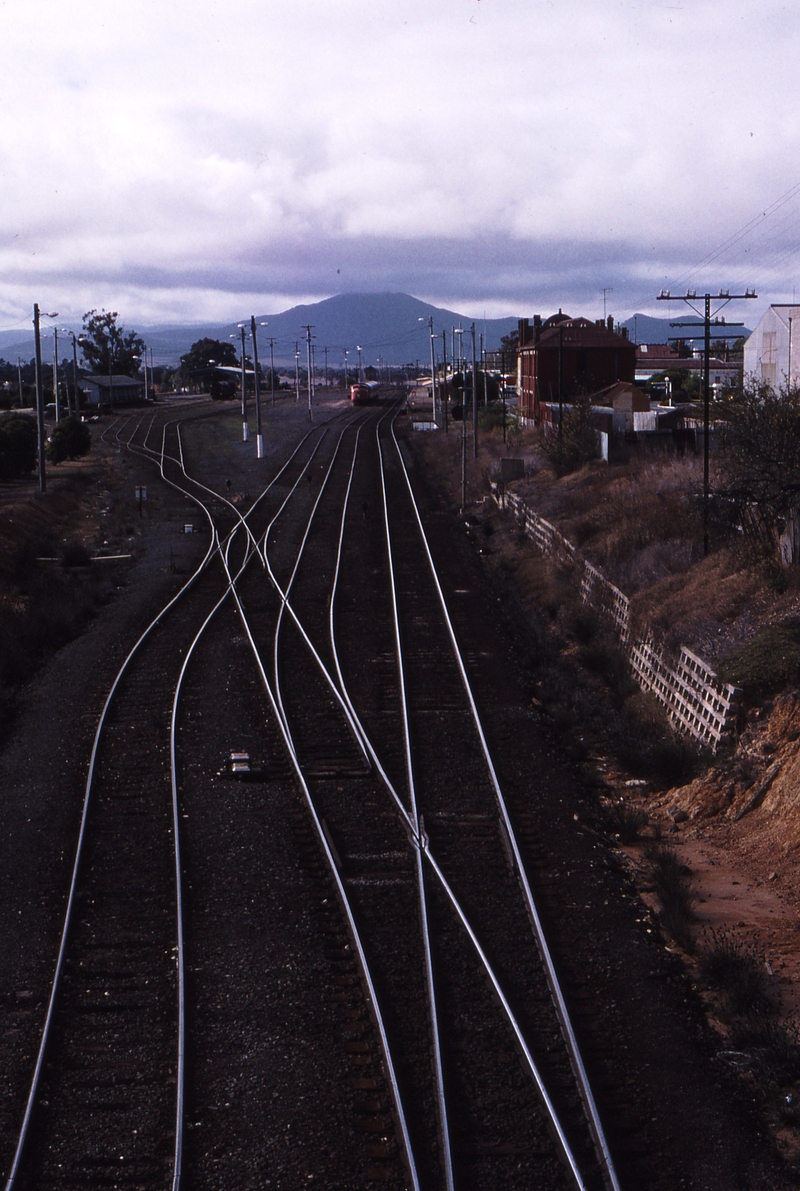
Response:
column 470, row 893
column 374, row 841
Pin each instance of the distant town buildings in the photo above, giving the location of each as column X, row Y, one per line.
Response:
column 655, row 358
column 772, row 351
column 561, row 357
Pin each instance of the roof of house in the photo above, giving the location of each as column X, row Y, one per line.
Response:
column 118, row 382
column 561, row 330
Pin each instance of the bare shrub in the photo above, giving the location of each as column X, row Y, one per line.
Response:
column 738, row 971
column 627, row 821
column 672, row 883
column 775, row 1047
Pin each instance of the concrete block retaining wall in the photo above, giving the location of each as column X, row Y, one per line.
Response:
column 696, row 701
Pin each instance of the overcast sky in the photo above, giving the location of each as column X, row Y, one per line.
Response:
column 187, row 160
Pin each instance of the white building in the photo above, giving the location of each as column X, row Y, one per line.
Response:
column 772, row 351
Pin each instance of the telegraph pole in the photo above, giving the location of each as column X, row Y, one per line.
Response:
column 326, row 366
column 433, row 367
column 458, row 331
column 474, row 399
column 245, row 426
column 55, row 375
column 259, row 435
column 444, row 381
column 296, row 371
column 272, row 368
column 39, row 395
column 723, row 297
column 308, row 327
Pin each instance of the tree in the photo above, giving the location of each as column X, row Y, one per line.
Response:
column 198, row 364
column 577, row 442
column 18, row 445
column 509, row 346
column 107, row 347
column 758, row 468
column 70, row 439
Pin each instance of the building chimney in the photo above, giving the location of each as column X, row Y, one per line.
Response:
column 524, row 329
column 610, row 323
column 537, row 327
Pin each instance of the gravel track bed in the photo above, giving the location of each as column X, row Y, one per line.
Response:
column 286, row 1086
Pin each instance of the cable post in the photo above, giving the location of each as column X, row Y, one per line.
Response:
column 723, row 297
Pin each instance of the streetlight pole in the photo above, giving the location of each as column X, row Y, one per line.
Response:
column 360, row 369
column 296, row 371
column 458, row 331
column 445, row 398
column 245, row 426
column 272, row 369
column 433, row 365
column 346, row 354
column 37, row 338
column 259, row 435
column 474, row 398
column 308, row 329
column 55, row 375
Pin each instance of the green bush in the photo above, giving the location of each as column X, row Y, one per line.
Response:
column 70, row 439
column 18, row 445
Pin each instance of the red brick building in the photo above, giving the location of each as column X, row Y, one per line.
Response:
column 563, row 357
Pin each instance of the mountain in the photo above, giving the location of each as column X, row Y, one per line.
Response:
column 644, row 329
column 390, row 326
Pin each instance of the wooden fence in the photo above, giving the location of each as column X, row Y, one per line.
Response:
column 696, row 701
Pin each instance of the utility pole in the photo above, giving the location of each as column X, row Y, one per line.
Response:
column 296, row 371
column 561, row 389
column 474, row 398
column 723, row 297
column 608, row 290
column 308, row 327
column 444, row 382
column 272, row 368
column 19, row 379
column 458, row 331
column 326, row 366
column 789, row 377
column 39, row 396
column 245, row 426
column 55, row 375
column 259, row 435
column 346, row 354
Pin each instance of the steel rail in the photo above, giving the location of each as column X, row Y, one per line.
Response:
column 561, row 1138
column 72, row 894
column 579, row 1070
column 214, row 546
column 421, row 845
column 441, row 1100
column 344, row 900
column 420, row 842
column 284, row 595
column 286, row 603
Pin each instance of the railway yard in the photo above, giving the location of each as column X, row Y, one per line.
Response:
column 338, row 911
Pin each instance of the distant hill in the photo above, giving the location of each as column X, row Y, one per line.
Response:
column 383, row 325
column 644, row 329
column 390, row 326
